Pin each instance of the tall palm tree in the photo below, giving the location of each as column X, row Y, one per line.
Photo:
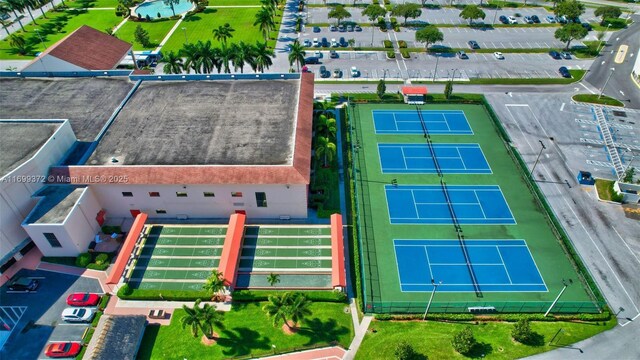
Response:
column 28, row 5
column 192, row 58
column 18, row 43
column 4, row 8
column 173, row 63
column 15, row 6
column 296, row 54
column 206, row 56
column 273, row 279
column 326, row 126
column 264, row 21
column 192, row 318
column 268, row 6
column 41, row 4
column 208, row 318
column 215, row 282
column 325, row 149
column 217, row 59
column 223, row 32
column 171, row 3
column 277, row 308
column 263, row 56
column 299, row 307
column 242, row 54
column 226, row 55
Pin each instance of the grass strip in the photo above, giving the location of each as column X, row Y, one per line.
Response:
column 594, row 99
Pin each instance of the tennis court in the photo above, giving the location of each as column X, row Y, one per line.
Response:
column 497, row 265
column 439, row 122
column 429, row 204
column 417, row 159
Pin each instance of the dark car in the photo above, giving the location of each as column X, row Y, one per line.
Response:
column 333, row 54
column 311, row 60
column 24, row 284
column 324, row 42
column 462, row 55
column 324, row 73
column 503, row 19
column 316, row 29
column 564, row 72
column 473, row 44
column 333, row 28
column 587, row 26
column 555, row 55
column 343, row 42
column 357, row 28
column 535, row 19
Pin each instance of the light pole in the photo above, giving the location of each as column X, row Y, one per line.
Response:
column 558, row 297
column 436, row 69
column 538, row 158
column 41, row 40
column 606, row 82
column 433, row 292
column 601, row 45
column 186, row 39
column 453, row 76
column 628, row 165
column 495, row 16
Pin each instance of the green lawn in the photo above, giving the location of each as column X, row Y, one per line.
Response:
column 92, row 4
column 593, row 99
column 234, row 3
column 433, row 339
column 199, row 27
column 157, row 31
column 248, row 331
column 68, row 21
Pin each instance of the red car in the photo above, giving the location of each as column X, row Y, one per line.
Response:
column 62, row 349
column 83, row 299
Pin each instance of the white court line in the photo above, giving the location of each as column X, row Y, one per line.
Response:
column 415, row 205
column 404, row 159
column 504, row 265
column 428, row 261
column 480, row 205
column 625, row 244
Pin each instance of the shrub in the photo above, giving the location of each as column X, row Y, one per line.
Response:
column 104, row 301
column 101, row 259
column 463, row 341
column 99, row 267
column 124, row 291
column 393, row 20
column 404, row 351
column 405, row 53
column 382, row 24
column 262, row 295
column 402, row 44
column 522, row 332
column 388, row 44
column 391, row 54
column 83, row 260
column 616, row 23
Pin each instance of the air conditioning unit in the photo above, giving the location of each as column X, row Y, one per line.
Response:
column 17, row 256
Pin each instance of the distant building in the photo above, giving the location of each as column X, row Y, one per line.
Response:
column 85, row 49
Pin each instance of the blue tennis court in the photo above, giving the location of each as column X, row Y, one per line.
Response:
column 427, row 204
column 417, row 159
column 498, row 266
column 438, row 122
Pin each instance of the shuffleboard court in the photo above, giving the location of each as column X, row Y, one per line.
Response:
column 188, row 230
column 166, row 285
column 498, row 266
column 278, row 241
column 186, row 240
column 286, row 252
column 417, row 159
column 438, row 122
column 181, row 251
column 155, row 262
column 286, row 231
column 259, row 264
column 427, row 204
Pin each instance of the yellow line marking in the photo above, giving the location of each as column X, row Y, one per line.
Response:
column 622, row 53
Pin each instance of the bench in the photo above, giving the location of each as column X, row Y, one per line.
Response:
column 156, row 314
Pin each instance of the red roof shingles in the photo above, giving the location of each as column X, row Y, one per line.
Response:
column 414, row 90
column 299, row 173
column 90, row 49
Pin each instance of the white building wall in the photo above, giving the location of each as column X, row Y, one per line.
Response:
column 282, row 200
column 17, row 187
column 51, row 63
column 74, row 233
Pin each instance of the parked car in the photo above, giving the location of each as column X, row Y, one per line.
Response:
column 462, row 55
column 333, row 54
column 341, row 28
column 62, row 349
column 343, row 42
column 587, row 26
column 565, row 55
column 83, row 299
column 564, row 72
column 562, row 19
column 316, row 29
column 355, row 72
column 324, row 42
column 78, row 314
column 333, row 28
column 24, row 284
column 357, row 28
column 316, row 43
column 334, row 43
column 349, row 28
column 503, row 19
column 512, row 20
column 527, row 20
column 318, row 54
column 555, row 55
column 535, row 19
column 337, row 73
column 4, row 16
column 551, row 19
column 306, row 43
column 324, row 73
column 473, row 44
column 498, row 55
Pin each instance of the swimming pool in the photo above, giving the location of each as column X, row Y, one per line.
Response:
column 152, row 8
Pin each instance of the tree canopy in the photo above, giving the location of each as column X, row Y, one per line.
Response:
column 571, row 9
column 374, row 11
column 472, row 12
column 570, row 32
column 608, row 12
column 408, row 10
column 429, row 35
column 339, row 13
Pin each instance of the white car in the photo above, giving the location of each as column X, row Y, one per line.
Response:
column 78, row 314
column 512, row 20
column 334, row 43
column 316, row 43
column 355, row 72
column 498, row 55
column 306, row 43
column 318, row 54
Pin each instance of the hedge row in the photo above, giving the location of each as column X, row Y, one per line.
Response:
column 604, row 316
column 263, row 295
column 127, row 293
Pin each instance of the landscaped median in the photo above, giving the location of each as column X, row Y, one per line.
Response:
column 596, row 99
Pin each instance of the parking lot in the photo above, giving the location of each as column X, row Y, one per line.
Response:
column 40, row 323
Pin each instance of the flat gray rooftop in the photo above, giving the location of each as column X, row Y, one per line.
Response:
column 19, row 141
column 87, row 103
column 56, row 204
column 204, row 123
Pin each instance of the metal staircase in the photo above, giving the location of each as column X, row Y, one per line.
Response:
column 608, row 141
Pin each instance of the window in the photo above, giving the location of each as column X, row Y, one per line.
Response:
column 261, row 199
column 127, row 194
column 53, row 240
column 236, row 194
column 161, row 211
column 181, row 194
column 154, row 193
column 209, row 194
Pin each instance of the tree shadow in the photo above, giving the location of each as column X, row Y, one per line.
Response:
column 535, row 340
column 86, row 3
column 319, row 331
column 241, row 341
column 479, row 350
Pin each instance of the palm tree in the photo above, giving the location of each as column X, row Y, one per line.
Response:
column 277, row 308
column 217, row 59
column 326, row 126
column 241, row 54
column 269, row 6
column 192, row 58
column 215, row 283
column 15, row 6
column 173, row 63
column 325, row 149
column 296, row 54
column 223, row 32
column 209, row 317
column 264, row 21
column 28, row 5
column 41, row 4
column 171, row 3
column 299, row 307
column 262, row 56
column 5, row 8
column 207, row 55
column 192, row 318
column 273, row 279
column 18, row 43
column 226, row 55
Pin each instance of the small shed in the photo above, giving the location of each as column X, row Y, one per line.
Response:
column 414, row 95
column 585, row 178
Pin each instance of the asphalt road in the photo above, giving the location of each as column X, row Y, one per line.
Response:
column 620, row 86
